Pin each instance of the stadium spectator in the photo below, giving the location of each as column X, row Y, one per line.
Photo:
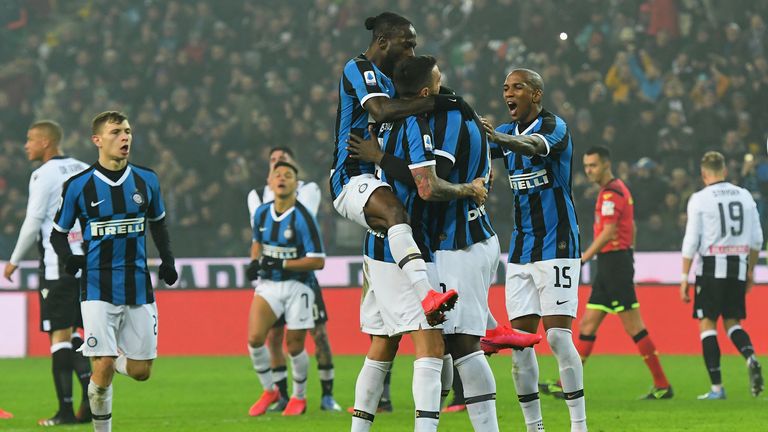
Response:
column 231, row 71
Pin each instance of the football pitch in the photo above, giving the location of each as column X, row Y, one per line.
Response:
column 214, row 394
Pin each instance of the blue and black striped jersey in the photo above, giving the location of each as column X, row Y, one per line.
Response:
column 545, row 218
column 409, row 139
column 458, row 224
column 291, row 235
column 360, row 81
column 113, row 216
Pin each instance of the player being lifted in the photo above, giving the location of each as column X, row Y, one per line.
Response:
column 365, row 90
column 390, row 308
column 724, row 230
column 115, row 200
column 543, row 265
column 59, row 291
column 307, row 193
column 286, row 250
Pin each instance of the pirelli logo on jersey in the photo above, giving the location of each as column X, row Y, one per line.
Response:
column 473, row 214
column 529, row 180
column 282, row 252
column 117, row 227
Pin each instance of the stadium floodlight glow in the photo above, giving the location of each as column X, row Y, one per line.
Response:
column 563, row 36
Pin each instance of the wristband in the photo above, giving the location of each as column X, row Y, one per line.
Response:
column 683, row 277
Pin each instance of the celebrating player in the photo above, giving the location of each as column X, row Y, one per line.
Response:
column 116, row 200
column 390, row 308
column 543, row 265
column 466, row 247
column 724, row 229
column 366, row 89
column 309, row 195
column 613, row 288
column 286, row 249
column 59, row 293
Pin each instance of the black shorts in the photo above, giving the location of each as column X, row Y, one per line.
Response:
column 319, row 313
column 613, row 289
column 719, row 297
column 60, row 304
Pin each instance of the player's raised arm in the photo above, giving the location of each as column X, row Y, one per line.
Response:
column 527, row 145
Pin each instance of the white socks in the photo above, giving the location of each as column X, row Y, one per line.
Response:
column 426, row 393
column 446, row 378
column 368, row 388
column 100, row 399
column 571, row 375
column 408, row 257
column 260, row 360
column 479, row 391
column 300, row 365
column 526, row 375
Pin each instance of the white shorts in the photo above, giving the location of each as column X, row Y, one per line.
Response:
column 130, row 328
column 390, row 306
column 469, row 271
column 354, row 195
column 543, row 288
column 291, row 299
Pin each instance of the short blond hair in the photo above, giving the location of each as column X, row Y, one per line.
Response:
column 50, row 128
column 713, row 161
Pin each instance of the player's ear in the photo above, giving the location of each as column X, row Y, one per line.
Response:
column 382, row 42
column 424, row 92
column 537, row 96
column 96, row 140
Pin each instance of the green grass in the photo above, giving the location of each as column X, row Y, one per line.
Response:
column 214, row 394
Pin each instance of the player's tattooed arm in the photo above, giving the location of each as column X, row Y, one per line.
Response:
column 527, row 145
column 433, row 188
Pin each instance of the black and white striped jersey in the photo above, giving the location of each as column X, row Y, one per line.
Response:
column 723, row 226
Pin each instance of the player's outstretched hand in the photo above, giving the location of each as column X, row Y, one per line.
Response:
column 490, row 131
column 168, row 273
column 269, row 263
column 9, row 269
column 480, row 192
column 74, row 263
column 252, row 271
column 365, row 150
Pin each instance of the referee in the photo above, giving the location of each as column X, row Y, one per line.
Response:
column 613, row 289
column 724, row 229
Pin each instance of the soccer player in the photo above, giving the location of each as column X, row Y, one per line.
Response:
column 543, row 264
column 613, row 289
column 390, row 308
column 466, row 247
column 286, row 250
column 724, row 229
column 309, row 195
column 365, row 90
column 59, row 293
column 114, row 200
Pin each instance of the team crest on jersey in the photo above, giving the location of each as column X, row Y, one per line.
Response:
column 427, row 142
column 44, row 292
column 370, row 78
column 138, row 198
column 562, row 245
column 362, row 187
column 288, row 234
column 92, row 342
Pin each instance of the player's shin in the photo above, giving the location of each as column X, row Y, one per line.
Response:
column 446, row 378
column 368, row 390
column 426, row 393
column 479, row 391
column 101, row 406
column 300, row 366
column 648, row 350
column 525, row 372
column 61, row 356
column 406, row 253
column 571, row 375
column 260, row 361
column 742, row 342
column 711, row 350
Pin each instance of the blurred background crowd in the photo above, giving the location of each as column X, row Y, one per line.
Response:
column 210, row 86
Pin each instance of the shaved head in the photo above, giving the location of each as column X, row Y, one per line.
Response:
column 532, row 78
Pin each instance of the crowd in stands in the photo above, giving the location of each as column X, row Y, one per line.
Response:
column 210, row 86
